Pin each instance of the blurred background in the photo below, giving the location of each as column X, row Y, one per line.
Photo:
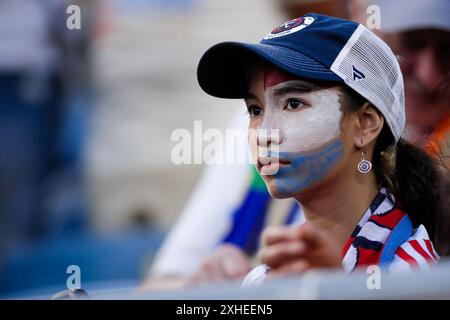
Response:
column 86, row 118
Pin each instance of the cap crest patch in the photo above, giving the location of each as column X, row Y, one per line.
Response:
column 289, row 27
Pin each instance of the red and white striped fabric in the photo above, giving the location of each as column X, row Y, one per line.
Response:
column 417, row 253
column 365, row 245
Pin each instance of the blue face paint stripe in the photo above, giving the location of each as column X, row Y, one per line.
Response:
column 306, row 169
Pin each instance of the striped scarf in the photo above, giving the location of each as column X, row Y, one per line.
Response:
column 366, row 243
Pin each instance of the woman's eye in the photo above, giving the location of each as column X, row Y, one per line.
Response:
column 293, row 104
column 254, row 111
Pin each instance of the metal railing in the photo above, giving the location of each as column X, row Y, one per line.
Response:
column 431, row 284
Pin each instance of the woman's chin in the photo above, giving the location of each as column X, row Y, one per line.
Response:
column 275, row 192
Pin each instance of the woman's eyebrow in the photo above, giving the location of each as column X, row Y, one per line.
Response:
column 250, row 95
column 295, row 87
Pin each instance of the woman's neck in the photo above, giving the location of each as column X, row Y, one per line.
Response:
column 339, row 206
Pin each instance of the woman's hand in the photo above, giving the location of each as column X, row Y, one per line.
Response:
column 228, row 262
column 295, row 249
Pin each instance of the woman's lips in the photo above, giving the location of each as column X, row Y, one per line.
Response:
column 271, row 165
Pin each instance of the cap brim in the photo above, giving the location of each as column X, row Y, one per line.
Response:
column 222, row 69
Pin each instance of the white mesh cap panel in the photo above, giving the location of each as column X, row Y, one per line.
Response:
column 368, row 66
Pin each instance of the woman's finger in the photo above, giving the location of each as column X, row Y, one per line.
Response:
column 275, row 234
column 279, row 253
column 312, row 236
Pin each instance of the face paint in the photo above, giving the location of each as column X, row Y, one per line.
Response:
column 306, row 169
column 274, row 76
column 310, row 126
column 308, row 133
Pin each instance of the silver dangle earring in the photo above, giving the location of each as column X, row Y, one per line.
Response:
column 364, row 166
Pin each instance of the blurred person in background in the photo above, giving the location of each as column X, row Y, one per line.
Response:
column 419, row 33
column 45, row 92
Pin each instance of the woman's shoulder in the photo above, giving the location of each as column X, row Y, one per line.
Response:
column 417, row 253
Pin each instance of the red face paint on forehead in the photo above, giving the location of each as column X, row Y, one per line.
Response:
column 274, row 76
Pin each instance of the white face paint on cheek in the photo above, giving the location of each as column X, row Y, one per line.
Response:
column 314, row 125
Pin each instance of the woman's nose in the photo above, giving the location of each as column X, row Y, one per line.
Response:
column 267, row 136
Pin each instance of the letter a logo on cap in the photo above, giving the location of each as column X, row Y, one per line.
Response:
column 357, row 75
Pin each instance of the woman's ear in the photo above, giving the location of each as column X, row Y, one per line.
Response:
column 369, row 122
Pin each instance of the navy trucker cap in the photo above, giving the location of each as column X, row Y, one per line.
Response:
column 316, row 47
column 305, row 46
